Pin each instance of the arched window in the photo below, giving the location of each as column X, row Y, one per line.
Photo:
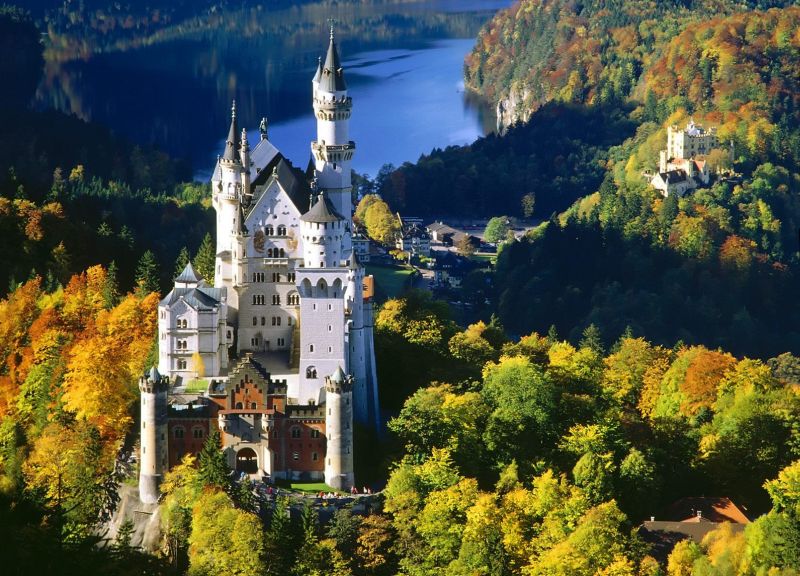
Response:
column 281, row 230
column 314, row 433
column 252, row 405
column 296, row 432
column 270, row 231
column 197, row 432
column 276, row 299
column 178, row 432
column 311, row 372
column 238, row 405
column 269, row 252
column 282, row 253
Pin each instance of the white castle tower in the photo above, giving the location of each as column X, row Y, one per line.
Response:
column 333, row 150
column 229, row 184
column 339, row 427
column 152, row 434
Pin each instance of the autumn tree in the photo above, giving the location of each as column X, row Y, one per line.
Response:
column 224, row 540
column 497, row 229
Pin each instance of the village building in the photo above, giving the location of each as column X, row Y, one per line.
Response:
column 691, row 518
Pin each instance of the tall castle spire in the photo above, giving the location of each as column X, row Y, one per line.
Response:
column 333, row 150
column 332, row 78
column 232, row 143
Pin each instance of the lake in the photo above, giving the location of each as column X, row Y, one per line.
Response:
column 403, row 64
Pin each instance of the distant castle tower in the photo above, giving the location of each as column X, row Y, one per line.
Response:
column 339, row 427
column 153, row 434
column 333, row 150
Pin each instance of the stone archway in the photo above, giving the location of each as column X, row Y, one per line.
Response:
column 247, row 461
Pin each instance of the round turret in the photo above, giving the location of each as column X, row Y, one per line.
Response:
column 152, row 434
column 339, row 428
column 323, row 230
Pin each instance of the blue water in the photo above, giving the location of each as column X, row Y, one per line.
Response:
column 403, row 64
column 405, row 103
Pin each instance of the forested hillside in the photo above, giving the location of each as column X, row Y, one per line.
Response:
column 523, row 456
column 583, row 52
column 719, row 266
column 69, row 362
column 72, row 194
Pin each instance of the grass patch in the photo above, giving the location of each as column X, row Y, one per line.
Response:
column 392, row 280
column 484, row 258
column 196, row 385
column 307, row 487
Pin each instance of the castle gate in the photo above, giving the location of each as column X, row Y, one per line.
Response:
column 247, row 461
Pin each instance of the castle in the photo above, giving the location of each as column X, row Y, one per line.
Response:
column 281, row 346
column 682, row 167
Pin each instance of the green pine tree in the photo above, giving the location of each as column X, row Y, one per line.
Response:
column 110, row 287
column 243, row 496
column 592, row 339
column 205, row 259
column 147, row 273
column 281, row 541
column 214, row 469
column 181, row 261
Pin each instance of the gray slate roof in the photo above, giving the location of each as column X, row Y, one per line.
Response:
column 322, row 211
column 290, row 179
column 673, row 176
column 189, row 275
column 332, row 79
column 338, row 376
column 318, row 73
column 263, row 157
column 232, row 142
column 200, row 297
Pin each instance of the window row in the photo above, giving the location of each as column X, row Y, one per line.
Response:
column 276, row 277
column 297, row 432
column 270, row 230
column 179, row 432
column 314, row 456
column 255, row 342
column 276, row 253
column 276, row 320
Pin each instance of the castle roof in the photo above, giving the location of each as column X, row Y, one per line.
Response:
column 322, row 211
column 338, row 376
column 318, row 74
column 673, row 176
column 153, row 375
column 189, row 275
column 262, row 159
column 288, row 177
column 332, row 78
column 199, row 297
column 232, row 142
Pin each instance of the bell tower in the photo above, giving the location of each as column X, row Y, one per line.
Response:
column 333, row 150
